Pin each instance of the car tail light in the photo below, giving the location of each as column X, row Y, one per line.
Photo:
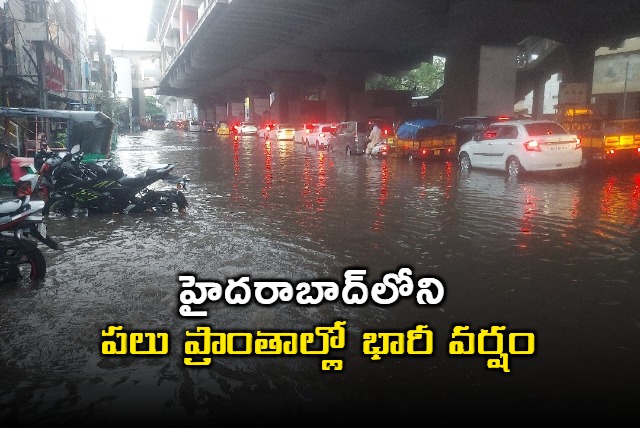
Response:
column 425, row 152
column 504, row 118
column 532, row 146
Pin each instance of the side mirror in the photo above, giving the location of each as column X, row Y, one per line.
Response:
column 75, row 149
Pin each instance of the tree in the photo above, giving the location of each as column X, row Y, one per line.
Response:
column 424, row 80
column 151, row 106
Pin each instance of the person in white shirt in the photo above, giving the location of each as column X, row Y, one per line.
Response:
column 374, row 138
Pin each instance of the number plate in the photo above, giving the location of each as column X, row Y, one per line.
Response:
column 436, row 152
column 42, row 228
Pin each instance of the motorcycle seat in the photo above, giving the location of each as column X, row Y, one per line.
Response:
column 9, row 206
column 131, row 180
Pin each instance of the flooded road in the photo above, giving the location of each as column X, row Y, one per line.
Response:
column 556, row 255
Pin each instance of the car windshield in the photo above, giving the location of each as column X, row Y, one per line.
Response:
column 545, row 128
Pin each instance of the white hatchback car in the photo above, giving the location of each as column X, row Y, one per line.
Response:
column 247, row 128
column 281, row 131
column 194, row 126
column 522, row 145
column 300, row 134
column 321, row 135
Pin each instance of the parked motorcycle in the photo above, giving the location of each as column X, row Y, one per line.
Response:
column 40, row 183
column 20, row 257
column 17, row 173
column 102, row 187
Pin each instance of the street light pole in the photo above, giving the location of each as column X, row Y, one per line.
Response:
column 624, row 99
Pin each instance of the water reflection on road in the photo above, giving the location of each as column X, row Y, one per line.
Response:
column 556, row 254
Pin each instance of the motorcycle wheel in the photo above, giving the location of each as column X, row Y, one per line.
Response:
column 27, row 261
column 59, row 205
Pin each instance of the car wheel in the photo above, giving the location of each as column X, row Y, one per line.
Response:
column 465, row 162
column 513, row 167
column 584, row 163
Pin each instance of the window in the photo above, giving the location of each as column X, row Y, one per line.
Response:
column 35, row 11
column 545, row 128
column 490, row 133
column 508, row 132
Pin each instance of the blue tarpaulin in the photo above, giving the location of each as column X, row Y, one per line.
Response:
column 424, row 129
column 410, row 130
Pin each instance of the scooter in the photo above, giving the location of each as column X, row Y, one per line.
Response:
column 104, row 188
column 20, row 257
column 18, row 174
column 380, row 150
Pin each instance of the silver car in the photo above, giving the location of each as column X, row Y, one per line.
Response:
column 351, row 137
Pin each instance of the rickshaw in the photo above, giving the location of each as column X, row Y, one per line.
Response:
column 23, row 130
column 222, row 128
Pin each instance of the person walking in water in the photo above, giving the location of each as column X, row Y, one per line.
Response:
column 374, row 138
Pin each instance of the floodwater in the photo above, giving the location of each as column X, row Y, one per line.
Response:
column 555, row 255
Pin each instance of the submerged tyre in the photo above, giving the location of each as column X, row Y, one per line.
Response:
column 26, row 260
column 465, row 162
column 59, row 205
column 513, row 167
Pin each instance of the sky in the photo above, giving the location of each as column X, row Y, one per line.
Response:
column 119, row 21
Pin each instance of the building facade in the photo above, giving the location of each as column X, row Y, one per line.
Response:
column 45, row 54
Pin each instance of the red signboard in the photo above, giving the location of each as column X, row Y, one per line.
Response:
column 54, row 76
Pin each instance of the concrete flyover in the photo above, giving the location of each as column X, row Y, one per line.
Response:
column 217, row 51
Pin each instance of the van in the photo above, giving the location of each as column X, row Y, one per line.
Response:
column 194, row 126
column 351, row 137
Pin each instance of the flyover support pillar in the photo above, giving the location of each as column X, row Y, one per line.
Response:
column 479, row 80
column 537, row 107
column 280, row 109
column 341, row 83
column 578, row 66
column 249, row 104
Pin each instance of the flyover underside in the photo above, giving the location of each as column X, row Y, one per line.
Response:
column 252, row 44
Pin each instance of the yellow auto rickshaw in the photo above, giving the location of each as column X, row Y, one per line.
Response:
column 222, row 128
